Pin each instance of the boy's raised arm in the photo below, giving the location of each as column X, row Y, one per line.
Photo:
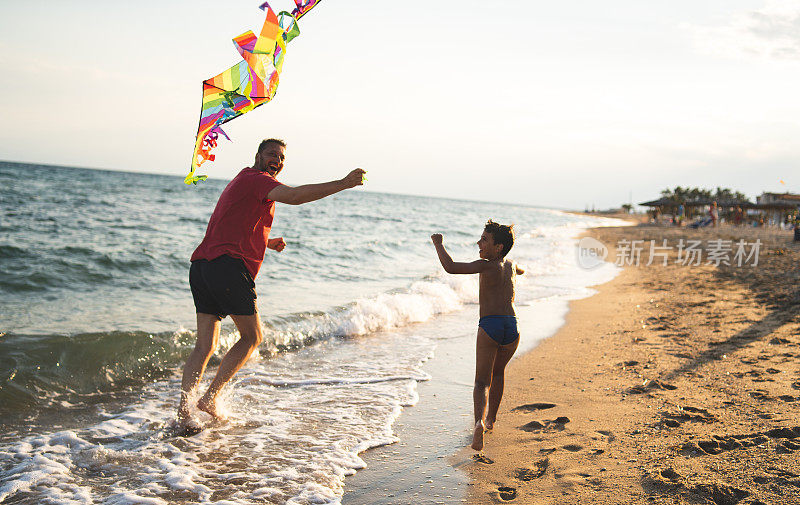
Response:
column 454, row 267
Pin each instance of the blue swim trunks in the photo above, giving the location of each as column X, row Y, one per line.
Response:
column 501, row 329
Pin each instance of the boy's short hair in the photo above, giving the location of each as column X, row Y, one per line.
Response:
column 501, row 234
column 264, row 143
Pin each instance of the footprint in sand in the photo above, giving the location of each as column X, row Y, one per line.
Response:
column 482, row 458
column 507, row 493
column 666, row 480
column 528, row 474
column 532, row 426
column 572, row 447
column 713, row 492
column 651, row 385
column 604, row 436
column 671, row 474
column 719, row 444
column 687, row 413
column 787, row 446
column 533, row 407
column 556, row 424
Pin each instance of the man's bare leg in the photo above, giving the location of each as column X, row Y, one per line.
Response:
column 208, row 326
column 250, row 337
column 504, row 354
column 485, row 352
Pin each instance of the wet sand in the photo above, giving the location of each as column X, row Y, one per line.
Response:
column 673, row 384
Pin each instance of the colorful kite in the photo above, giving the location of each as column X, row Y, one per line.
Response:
column 248, row 84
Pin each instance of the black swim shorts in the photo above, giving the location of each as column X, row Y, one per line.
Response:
column 222, row 286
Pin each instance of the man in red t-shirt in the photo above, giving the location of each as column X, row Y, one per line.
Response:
column 227, row 261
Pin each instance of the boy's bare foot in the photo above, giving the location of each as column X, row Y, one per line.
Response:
column 489, row 424
column 477, row 436
column 210, row 408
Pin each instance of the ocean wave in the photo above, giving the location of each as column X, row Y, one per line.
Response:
column 10, row 251
column 420, row 302
column 76, row 256
column 48, row 274
column 67, row 267
column 57, row 369
column 373, row 218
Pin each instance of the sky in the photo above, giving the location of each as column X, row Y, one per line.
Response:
column 569, row 104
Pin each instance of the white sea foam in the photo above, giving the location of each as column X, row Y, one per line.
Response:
column 301, row 419
column 420, row 302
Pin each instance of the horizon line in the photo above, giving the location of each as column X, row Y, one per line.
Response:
column 97, row 169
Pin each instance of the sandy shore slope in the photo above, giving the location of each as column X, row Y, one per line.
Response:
column 674, row 384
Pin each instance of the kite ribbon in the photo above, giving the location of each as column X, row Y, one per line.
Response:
column 303, row 6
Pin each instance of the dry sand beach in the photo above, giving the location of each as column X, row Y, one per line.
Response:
column 673, row 384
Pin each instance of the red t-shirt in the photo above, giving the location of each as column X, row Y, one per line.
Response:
column 241, row 221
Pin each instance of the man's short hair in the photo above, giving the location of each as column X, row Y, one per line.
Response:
column 264, row 143
column 501, row 234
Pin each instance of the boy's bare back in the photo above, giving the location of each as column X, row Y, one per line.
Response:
column 497, row 286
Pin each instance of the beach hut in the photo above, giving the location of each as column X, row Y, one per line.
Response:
column 766, row 198
column 770, row 208
column 777, row 207
column 696, row 207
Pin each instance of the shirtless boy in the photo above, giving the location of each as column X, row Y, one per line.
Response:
column 497, row 328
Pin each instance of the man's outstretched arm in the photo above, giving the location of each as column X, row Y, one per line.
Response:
column 455, row 267
column 311, row 192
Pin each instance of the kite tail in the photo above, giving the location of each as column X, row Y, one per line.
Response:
column 206, row 140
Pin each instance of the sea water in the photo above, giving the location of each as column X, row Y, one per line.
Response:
column 96, row 320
